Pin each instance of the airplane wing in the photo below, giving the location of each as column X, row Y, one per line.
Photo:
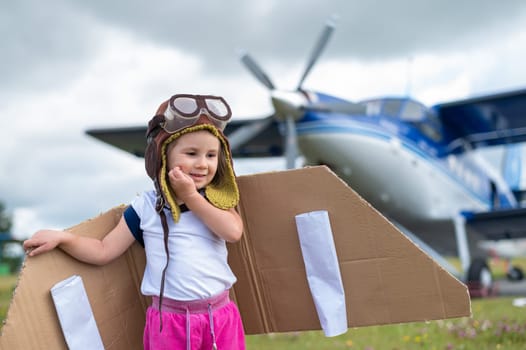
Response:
column 267, row 141
column 498, row 224
column 130, row 139
column 255, row 138
column 485, row 121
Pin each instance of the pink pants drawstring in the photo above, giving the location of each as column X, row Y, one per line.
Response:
column 195, row 307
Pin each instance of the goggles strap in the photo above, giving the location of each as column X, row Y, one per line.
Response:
column 163, row 277
column 160, row 201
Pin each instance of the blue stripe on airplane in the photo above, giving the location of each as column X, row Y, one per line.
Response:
column 348, row 127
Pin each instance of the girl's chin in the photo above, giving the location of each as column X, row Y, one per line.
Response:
column 199, row 185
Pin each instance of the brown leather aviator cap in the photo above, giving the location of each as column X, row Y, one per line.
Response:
column 222, row 194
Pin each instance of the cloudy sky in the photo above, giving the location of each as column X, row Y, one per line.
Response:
column 67, row 66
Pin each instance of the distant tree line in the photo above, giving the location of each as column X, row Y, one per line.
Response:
column 9, row 264
column 5, row 219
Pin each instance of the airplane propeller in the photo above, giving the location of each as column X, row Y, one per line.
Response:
column 253, row 67
column 289, row 106
column 318, row 49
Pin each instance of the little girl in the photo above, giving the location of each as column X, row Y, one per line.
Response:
column 183, row 224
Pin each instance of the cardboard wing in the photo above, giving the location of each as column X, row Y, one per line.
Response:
column 386, row 278
column 113, row 291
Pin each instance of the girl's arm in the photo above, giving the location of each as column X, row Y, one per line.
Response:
column 86, row 249
column 227, row 224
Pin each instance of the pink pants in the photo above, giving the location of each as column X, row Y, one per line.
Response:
column 207, row 324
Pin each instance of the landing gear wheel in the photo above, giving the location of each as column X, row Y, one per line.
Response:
column 479, row 278
column 515, row 274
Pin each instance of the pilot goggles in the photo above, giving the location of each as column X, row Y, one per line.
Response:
column 184, row 110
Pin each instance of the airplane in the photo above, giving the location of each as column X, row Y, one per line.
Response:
column 420, row 166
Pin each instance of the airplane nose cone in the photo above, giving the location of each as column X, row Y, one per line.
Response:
column 288, row 103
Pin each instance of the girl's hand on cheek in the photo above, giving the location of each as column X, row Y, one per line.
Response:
column 182, row 184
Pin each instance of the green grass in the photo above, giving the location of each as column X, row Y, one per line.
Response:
column 496, row 324
column 7, row 284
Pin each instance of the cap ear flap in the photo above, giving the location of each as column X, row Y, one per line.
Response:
column 152, row 154
column 151, row 158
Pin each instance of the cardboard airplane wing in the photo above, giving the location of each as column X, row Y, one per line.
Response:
column 386, row 278
column 113, row 291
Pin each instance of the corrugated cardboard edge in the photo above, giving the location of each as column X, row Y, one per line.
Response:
column 113, row 290
column 387, row 278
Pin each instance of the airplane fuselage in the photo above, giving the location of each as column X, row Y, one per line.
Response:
column 404, row 174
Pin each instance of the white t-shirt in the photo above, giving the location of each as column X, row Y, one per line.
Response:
column 198, row 266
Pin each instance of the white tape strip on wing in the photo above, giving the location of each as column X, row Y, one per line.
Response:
column 323, row 271
column 75, row 314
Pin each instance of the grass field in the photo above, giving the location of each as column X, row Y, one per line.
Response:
column 7, row 283
column 495, row 324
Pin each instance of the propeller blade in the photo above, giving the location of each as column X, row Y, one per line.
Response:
column 318, row 49
column 245, row 133
column 291, row 143
column 256, row 70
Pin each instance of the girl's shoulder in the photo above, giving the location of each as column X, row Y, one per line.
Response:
column 144, row 199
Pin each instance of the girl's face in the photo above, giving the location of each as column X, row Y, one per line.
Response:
column 197, row 154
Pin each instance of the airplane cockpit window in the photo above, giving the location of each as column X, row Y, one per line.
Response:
column 430, row 125
column 392, row 107
column 430, row 131
column 373, row 107
column 413, row 111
